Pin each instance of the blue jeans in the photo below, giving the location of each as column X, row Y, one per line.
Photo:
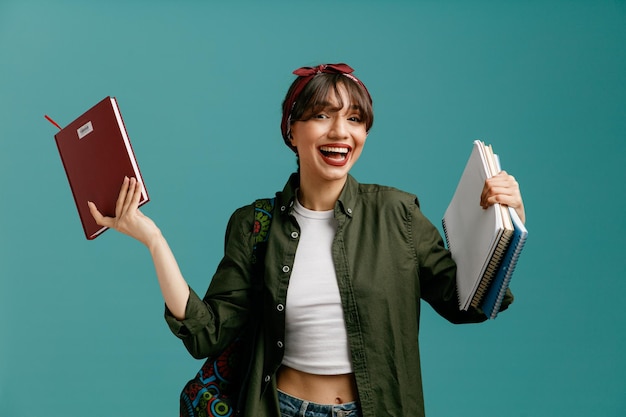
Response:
column 295, row 407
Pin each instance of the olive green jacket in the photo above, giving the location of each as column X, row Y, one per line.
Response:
column 387, row 257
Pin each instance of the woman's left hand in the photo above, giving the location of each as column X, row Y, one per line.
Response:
column 503, row 189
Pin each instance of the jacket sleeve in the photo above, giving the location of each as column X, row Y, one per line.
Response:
column 437, row 271
column 211, row 323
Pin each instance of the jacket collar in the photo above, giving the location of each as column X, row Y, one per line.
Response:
column 345, row 203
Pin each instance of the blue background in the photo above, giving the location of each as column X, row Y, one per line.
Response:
column 200, row 86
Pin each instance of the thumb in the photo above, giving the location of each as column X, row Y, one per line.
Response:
column 98, row 217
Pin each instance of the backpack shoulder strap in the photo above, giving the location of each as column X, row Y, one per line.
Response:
column 263, row 211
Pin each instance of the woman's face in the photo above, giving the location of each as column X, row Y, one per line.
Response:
column 329, row 142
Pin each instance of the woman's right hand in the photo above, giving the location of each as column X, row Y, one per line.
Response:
column 128, row 218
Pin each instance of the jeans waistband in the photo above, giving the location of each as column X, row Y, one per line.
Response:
column 296, row 407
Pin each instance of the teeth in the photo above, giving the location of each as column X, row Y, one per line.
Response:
column 334, row 149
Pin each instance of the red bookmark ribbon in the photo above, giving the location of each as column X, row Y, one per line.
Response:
column 52, row 121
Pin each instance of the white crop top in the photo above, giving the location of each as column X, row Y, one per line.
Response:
column 316, row 341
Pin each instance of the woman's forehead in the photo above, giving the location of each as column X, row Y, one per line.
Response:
column 338, row 98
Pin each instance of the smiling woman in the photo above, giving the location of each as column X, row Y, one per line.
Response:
column 328, row 143
column 345, row 264
column 325, row 122
column 309, row 94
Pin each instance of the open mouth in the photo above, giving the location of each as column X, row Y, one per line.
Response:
column 335, row 154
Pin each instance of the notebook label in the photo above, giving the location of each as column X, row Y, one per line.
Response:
column 84, row 130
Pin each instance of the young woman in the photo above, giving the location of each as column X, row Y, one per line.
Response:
column 345, row 269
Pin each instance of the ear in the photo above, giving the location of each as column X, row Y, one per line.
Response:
column 292, row 140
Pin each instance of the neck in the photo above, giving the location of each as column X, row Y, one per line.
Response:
column 320, row 196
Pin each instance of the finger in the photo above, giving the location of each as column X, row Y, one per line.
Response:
column 503, row 199
column 97, row 216
column 137, row 195
column 119, row 205
column 502, row 180
column 506, row 190
column 128, row 200
column 502, row 196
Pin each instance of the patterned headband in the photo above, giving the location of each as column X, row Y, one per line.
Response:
column 305, row 75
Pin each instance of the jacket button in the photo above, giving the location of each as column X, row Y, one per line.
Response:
column 279, row 344
column 280, row 307
column 283, row 208
column 294, row 235
column 267, row 378
column 349, row 210
column 286, row 268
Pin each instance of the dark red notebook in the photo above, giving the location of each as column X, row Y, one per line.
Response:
column 97, row 154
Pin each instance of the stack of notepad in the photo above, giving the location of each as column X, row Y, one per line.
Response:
column 485, row 243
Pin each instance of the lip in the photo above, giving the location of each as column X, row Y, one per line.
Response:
column 334, row 161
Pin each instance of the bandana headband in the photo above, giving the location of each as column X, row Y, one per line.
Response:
column 306, row 74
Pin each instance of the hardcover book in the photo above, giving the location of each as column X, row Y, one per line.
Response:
column 97, row 154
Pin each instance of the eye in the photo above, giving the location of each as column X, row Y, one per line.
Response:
column 356, row 119
column 320, row 116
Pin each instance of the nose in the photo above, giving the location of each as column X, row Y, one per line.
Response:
column 339, row 128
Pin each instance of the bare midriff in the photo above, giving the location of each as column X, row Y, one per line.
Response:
column 320, row 389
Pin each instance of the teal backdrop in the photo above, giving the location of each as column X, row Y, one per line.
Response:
column 200, row 85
